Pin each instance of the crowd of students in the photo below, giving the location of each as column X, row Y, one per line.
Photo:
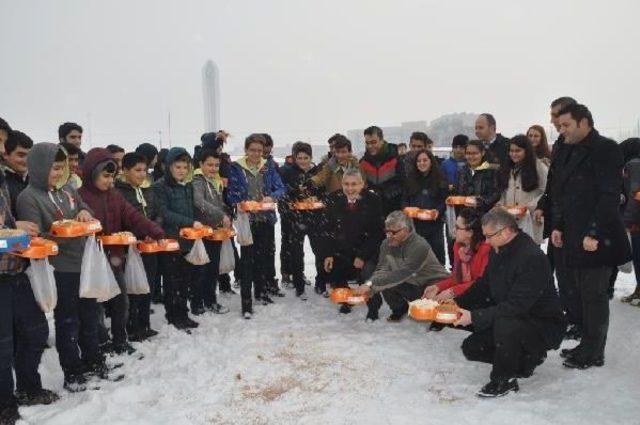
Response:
column 575, row 193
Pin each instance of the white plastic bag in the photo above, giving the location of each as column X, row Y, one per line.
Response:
column 135, row 277
column 96, row 277
column 43, row 284
column 628, row 266
column 227, row 259
column 198, row 255
column 243, row 229
column 451, row 221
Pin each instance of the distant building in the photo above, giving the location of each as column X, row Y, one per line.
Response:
column 441, row 130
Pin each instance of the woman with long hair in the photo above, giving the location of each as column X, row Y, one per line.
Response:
column 478, row 179
column 523, row 182
column 470, row 257
column 426, row 188
column 538, row 138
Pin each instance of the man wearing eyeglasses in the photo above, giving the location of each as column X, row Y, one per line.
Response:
column 514, row 307
column 406, row 266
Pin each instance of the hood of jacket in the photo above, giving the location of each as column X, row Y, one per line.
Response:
column 243, row 163
column 172, row 155
column 39, row 162
column 94, row 158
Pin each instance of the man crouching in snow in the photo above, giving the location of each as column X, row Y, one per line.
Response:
column 514, row 307
column 406, row 266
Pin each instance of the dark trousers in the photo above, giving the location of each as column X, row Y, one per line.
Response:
column 568, row 290
column 511, row 346
column 434, row 235
column 76, row 321
column 140, row 305
column 178, row 275
column 343, row 271
column 299, row 230
column 397, row 298
column 23, row 337
column 635, row 248
column 257, row 263
column 286, row 230
column 593, row 285
column 119, row 312
column 204, row 294
column 270, row 260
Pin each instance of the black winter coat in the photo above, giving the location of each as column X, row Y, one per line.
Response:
column 498, row 151
column 352, row 233
column 294, row 177
column 384, row 175
column 15, row 184
column 483, row 184
column 129, row 193
column 517, row 282
column 585, row 197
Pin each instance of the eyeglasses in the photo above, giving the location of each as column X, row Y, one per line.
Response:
column 393, row 232
column 489, row 236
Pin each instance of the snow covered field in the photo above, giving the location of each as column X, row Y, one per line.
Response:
column 303, row 363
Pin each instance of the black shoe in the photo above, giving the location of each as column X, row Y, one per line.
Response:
column 499, row 388
column 229, row 292
column 318, row 291
column 9, row 415
column 217, row 309
column 41, row 396
column 265, row 300
column 148, row 333
column 106, row 347
column 345, row 309
column 197, row 311
column 124, row 348
column 75, row 382
column 577, row 363
column 573, row 332
column 372, row 316
column 286, row 279
column 436, row 327
column 276, row 292
column 529, row 364
column 567, row 353
column 396, row 316
column 185, row 324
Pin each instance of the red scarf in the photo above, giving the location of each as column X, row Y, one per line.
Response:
column 462, row 266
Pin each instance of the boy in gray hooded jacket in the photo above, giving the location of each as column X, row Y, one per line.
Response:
column 76, row 320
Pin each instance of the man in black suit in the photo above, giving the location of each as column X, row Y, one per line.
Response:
column 586, row 223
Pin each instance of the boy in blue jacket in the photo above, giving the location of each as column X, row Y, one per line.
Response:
column 174, row 198
column 253, row 178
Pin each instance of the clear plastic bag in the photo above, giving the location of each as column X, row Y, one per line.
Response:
column 450, row 215
column 135, row 277
column 96, row 277
column 227, row 259
column 198, row 255
column 43, row 284
column 243, row 229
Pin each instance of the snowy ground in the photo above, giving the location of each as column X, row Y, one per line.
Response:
column 303, row 363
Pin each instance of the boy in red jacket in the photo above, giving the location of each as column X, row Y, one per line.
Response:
column 116, row 215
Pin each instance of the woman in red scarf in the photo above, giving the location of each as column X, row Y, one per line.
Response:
column 470, row 257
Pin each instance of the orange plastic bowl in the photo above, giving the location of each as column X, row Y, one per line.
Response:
column 411, row 211
column 427, row 215
column 447, row 313
column 456, row 200
column 516, row 210
column 40, row 248
column 122, row 238
column 422, row 314
column 250, row 206
column 221, row 235
column 267, row 206
column 165, row 245
column 75, row 229
column 307, row 205
column 341, row 295
column 192, row 233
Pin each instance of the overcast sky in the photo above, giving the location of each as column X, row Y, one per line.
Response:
column 306, row 69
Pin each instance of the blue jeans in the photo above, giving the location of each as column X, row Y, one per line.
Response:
column 23, row 328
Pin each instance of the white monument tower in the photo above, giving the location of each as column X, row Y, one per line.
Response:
column 211, row 96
